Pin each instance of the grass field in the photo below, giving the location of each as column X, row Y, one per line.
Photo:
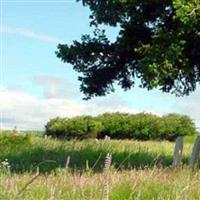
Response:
column 34, row 167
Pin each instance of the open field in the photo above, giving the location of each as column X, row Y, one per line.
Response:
column 44, row 168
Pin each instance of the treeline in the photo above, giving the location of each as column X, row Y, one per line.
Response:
column 142, row 126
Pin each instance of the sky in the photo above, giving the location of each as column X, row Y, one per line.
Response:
column 36, row 86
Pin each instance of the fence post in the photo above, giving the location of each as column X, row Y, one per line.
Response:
column 178, row 150
column 195, row 152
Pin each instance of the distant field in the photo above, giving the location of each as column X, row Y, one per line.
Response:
column 34, row 133
column 139, row 170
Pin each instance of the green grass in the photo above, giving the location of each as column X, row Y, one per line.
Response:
column 49, row 154
column 28, row 153
column 190, row 139
column 139, row 170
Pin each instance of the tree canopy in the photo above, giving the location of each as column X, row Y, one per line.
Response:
column 158, row 43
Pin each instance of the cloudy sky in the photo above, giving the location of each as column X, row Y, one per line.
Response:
column 36, row 85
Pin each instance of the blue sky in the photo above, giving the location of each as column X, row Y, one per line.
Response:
column 37, row 86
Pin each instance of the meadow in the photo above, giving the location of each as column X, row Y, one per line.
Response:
column 41, row 168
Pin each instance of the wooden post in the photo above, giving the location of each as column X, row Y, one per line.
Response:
column 178, row 150
column 195, row 152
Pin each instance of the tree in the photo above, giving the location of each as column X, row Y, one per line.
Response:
column 158, row 43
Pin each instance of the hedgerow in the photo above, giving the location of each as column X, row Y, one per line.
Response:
column 142, row 126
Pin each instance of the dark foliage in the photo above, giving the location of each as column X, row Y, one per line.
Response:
column 158, row 43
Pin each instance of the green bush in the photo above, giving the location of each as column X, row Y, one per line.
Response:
column 142, row 126
column 139, row 126
column 177, row 125
column 75, row 128
column 14, row 140
column 115, row 125
column 146, row 126
column 56, row 127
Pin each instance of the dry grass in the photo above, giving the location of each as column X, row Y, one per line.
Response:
column 156, row 183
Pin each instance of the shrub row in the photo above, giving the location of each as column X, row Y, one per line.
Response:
column 141, row 126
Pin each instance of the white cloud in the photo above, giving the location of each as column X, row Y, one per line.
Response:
column 29, row 112
column 55, row 87
column 31, row 34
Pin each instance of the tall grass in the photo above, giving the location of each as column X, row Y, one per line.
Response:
column 43, row 168
column 126, row 154
column 147, row 184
